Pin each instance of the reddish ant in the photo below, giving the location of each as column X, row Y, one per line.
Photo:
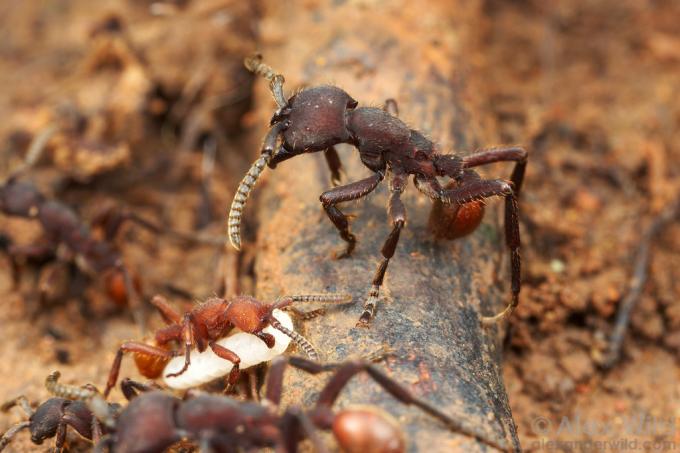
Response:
column 315, row 119
column 156, row 420
column 203, row 326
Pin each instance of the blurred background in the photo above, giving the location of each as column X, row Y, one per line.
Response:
column 147, row 106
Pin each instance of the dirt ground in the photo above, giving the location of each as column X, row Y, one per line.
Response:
column 138, row 93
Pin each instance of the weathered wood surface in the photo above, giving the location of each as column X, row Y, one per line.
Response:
column 434, row 291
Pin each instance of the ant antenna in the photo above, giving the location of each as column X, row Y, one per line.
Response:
column 298, row 339
column 256, row 65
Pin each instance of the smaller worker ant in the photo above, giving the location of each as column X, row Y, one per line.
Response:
column 65, row 232
column 53, row 417
column 206, row 324
column 155, row 420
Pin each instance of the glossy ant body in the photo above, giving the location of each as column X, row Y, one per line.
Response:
column 315, row 119
column 53, row 417
column 156, row 420
column 206, row 324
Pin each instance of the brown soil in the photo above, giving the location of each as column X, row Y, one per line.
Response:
column 591, row 88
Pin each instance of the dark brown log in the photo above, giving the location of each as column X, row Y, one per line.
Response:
column 435, row 291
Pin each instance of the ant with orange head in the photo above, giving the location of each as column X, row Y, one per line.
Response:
column 207, row 324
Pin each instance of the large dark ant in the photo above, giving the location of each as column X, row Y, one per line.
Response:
column 315, row 119
column 53, row 417
column 156, row 420
column 205, row 325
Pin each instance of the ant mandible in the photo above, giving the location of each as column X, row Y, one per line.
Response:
column 315, row 119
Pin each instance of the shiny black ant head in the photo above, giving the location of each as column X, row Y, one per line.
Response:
column 46, row 419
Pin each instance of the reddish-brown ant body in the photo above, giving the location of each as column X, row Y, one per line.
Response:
column 156, row 420
column 205, row 324
column 318, row 118
column 62, row 227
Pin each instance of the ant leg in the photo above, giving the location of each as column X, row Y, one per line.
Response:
column 169, row 315
column 20, row 401
column 397, row 214
column 277, row 370
column 485, row 188
column 348, row 370
column 503, row 154
column 391, row 107
column 60, row 438
column 295, row 425
column 135, row 302
column 13, row 431
column 352, row 191
column 131, row 389
column 227, row 354
column 334, row 164
column 134, row 347
column 188, row 336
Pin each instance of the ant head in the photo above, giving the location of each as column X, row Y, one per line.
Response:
column 46, row 419
column 367, row 428
column 20, row 198
column 248, row 313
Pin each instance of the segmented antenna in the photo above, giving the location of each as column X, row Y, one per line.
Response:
column 95, row 402
column 241, row 196
column 70, row 392
column 248, row 182
column 298, row 339
column 256, row 65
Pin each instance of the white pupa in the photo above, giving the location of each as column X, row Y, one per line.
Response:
column 206, row 366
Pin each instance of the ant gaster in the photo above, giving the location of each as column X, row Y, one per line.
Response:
column 208, row 322
column 156, row 420
column 315, row 119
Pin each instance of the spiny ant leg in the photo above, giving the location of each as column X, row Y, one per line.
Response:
column 334, row 164
column 227, row 354
column 352, row 191
column 503, row 154
column 248, row 182
column 485, row 188
column 397, row 214
column 169, row 314
column 188, row 336
column 135, row 301
column 348, row 370
column 134, row 347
